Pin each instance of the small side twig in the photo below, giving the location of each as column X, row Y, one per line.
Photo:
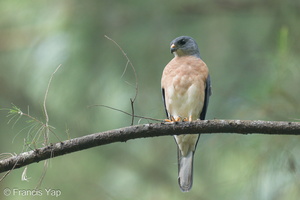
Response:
column 132, row 100
column 132, row 111
column 46, row 136
column 130, row 114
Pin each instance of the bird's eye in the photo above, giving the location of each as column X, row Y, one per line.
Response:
column 182, row 42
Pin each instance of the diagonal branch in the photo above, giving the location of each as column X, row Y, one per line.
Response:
column 149, row 130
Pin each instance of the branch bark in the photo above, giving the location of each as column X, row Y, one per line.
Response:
column 149, row 130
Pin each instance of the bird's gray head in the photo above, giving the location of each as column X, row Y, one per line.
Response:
column 185, row 46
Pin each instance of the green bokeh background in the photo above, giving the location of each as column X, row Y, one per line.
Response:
column 251, row 48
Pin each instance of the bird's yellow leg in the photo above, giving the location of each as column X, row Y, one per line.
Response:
column 170, row 120
column 177, row 119
column 187, row 119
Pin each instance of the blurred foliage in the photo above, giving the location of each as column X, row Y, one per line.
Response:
column 250, row 47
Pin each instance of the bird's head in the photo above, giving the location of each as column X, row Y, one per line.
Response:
column 184, row 46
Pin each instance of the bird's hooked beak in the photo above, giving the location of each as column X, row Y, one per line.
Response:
column 173, row 48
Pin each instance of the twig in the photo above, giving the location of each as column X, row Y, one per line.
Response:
column 127, row 113
column 132, row 100
column 132, row 111
column 128, row 61
column 46, row 136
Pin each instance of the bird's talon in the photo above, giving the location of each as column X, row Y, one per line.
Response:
column 177, row 119
column 185, row 119
column 170, row 120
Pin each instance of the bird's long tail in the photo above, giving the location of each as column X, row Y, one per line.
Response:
column 185, row 171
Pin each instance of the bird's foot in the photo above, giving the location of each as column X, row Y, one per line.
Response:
column 172, row 119
column 177, row 119
column 187, row 119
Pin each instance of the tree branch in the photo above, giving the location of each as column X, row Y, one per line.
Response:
column 149, row 130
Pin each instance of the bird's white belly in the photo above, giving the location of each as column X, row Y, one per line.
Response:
column 185, row 104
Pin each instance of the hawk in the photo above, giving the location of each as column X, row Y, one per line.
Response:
column 186, row 90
